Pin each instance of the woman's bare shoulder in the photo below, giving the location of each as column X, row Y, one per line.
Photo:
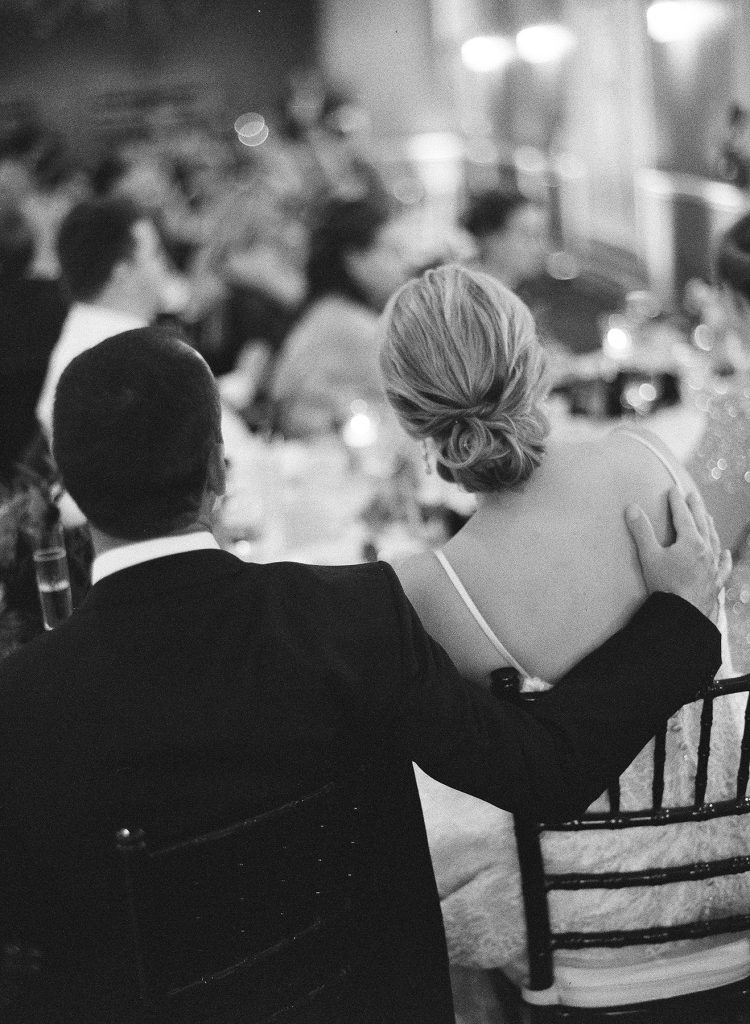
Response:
column 643, row 469
column 642, row 455
column 417, row 575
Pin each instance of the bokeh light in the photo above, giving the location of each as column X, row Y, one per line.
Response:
column 255, row 140
column 671, row 21
column 251, row 129
column 545, row 43
column 486, row 53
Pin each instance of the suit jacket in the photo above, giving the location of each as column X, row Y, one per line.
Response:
column 195, row 689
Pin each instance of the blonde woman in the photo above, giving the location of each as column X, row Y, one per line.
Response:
column 540, row 575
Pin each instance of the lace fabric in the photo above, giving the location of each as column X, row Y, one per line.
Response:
column 476, row 863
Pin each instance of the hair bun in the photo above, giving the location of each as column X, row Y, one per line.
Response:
column 462, row 366
column 483, row 451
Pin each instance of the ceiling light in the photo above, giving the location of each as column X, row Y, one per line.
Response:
column 543, row 44
column 671, row 21
column 486, row 53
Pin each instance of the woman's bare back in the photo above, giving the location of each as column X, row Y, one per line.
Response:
column 551, row 567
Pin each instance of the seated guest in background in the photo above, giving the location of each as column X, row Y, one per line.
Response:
column 513, row 244
column 114, row 269
column 330, row 358
column 255, row 259
column 720, row 462
column 541, row 573
column 57, row 185
column 32, row 311
column 510, row 233
column 191, row 689
column 141, row 173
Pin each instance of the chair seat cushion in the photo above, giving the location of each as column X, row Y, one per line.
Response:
column 720, row 960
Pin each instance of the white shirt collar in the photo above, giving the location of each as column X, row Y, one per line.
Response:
column 145, row 550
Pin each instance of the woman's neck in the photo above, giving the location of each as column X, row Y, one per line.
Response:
column 543, row 478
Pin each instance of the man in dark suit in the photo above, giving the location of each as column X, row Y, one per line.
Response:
column 191, row 689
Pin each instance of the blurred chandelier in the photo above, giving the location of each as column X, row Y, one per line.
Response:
column 671, row 21
column 487, row 53
column 544, row 43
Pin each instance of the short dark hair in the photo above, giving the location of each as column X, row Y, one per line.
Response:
column 94, row 237
column 344, row 224
column 135, row 420
column 16, row 242
column 491, row 210
column 732, row 263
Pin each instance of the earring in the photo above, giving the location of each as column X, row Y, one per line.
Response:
column 426, row 458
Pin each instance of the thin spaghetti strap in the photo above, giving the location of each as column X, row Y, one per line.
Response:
column 479, row 618
column 652, row 448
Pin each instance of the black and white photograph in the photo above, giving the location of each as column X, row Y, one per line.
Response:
column 374, row 511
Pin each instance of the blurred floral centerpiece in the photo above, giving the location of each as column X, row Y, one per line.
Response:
column 27, row 507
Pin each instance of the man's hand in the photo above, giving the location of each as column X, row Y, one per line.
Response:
column 694, row 567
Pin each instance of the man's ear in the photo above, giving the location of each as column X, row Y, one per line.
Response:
column 216, row 477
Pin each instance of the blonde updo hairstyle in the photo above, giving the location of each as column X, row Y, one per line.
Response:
column 462, row 366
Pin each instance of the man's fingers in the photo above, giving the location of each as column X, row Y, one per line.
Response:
column 724, row 569
column 714, row 537
column 682, row 514
column 697, row 507
column 641, row 531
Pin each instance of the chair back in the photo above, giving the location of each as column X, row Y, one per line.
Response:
column 248, row 922
column 538, row 881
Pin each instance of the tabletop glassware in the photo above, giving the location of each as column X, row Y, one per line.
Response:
column 52, row 575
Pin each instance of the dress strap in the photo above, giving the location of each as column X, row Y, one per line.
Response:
column 652, row 448
column 480, row 619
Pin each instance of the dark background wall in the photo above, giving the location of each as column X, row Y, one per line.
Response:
column 234, row 53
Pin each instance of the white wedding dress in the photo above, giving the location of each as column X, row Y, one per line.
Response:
column 476, row 866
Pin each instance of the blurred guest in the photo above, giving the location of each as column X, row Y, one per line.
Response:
column 115, row 271
column 255, row 257
column 513, row 245
column 17, row 154
column 56, row 186
column 32, row 311
column 720, row 462
column 143, row 175
column 733, row 158
column 510, row 233
column 533, row 581
column 330, row 358
column 325, row 132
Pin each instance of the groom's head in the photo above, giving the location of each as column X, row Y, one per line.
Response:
column 137, row 434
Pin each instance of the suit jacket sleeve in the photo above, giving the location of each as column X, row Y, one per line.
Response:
column 552, row 758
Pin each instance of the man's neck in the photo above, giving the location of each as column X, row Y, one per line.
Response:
column 103, row 542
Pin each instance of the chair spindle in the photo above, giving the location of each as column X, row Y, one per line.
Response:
column 704, row 749
column 660, row 757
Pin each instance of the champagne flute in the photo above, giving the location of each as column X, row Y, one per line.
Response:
column 52, row 575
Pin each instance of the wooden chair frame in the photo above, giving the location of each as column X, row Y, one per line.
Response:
column 299, row 944
column 537, row 882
